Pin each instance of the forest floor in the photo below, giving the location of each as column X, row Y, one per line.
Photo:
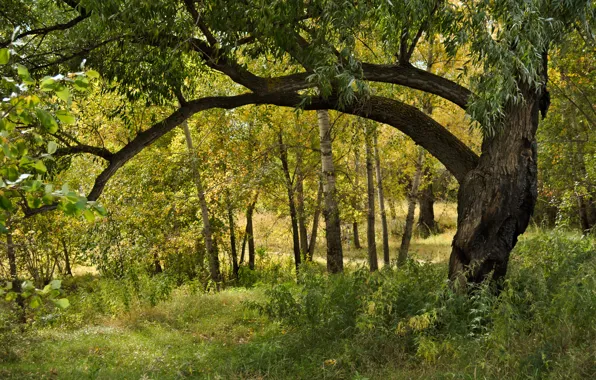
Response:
column 112, row 331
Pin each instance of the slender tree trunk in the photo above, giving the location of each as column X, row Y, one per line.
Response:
column 331, row 212
column 315, row 223
column 300, row 207
column 497, row 198
column 370, row 231
column 235, row 266
column 67, row 268
column 426, row 220
column 381, row 201
column 355, row 197
column 249, row 233
column 407, row 236
column 356, row 235
column 214, row 270
column 243, row 248
column 283, row 155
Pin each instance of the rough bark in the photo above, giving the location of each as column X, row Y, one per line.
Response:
column 427, row 225
column 496, row 200
column 413, row 195
column 283, row 155
column 331, row 211
column 212, row 253
column 381, row 201
column 370, row 212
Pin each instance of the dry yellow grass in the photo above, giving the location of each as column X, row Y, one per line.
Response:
column 274, row 234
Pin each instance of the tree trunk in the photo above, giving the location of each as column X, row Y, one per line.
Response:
column 381, row 201
column 355, row 196
column 335, row 262
column 426, row 220
column 370, row 231
column 303, row 234
column 407, row 236
column 497, row 198
column 235, row 267
column 283, row 155
column 207, row 232
column 249, row 234
column 315, row 223
column 356, row 236
column 67, row 268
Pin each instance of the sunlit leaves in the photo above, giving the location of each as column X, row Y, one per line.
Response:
column 4, row 56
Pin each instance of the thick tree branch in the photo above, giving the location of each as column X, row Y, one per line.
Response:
column 418, row 79
column 75, row 149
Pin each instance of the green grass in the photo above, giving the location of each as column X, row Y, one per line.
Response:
column 401, row 324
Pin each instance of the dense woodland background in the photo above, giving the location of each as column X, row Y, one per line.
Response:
column 229, row 189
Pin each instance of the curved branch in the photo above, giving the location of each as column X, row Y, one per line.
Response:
column 412, row 77
column 96, row 151
column 457, row 157
column 437, row 140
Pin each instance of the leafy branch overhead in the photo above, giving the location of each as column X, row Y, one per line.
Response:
column 32, row 113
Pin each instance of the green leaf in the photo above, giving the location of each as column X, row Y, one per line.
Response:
column 12, row 173
column 52, row 146
column 62, row 303
column 63, row 93
column 65, row 117
column 10, row 296
column 35, row 302
column 47, row 120
column 47, row 84
column 4, row 56
column 24, row 74
column 40, row 166
column 27, row 285
column 55, row 284
column 5, row 203
column 89, row 215
column 46, row 289
column 47, row 199
column 92, row 74
column 101, row 210
column 81, row 83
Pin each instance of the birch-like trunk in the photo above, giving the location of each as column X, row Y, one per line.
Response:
column 214, row 270
column 331, row 211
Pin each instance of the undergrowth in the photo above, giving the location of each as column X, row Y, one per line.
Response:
column 396, row 323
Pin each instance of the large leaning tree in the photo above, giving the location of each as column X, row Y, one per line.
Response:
column 311, row 54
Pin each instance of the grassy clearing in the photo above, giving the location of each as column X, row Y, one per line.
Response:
column 273, row 233
column 394, row 324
